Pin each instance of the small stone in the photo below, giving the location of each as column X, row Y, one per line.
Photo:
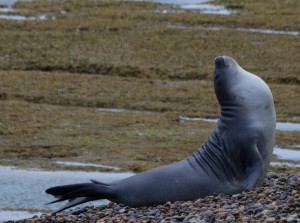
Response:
column 77, row 211
column 283, row 196
column 59, row 220
column 121, row 211
column 265, row 212
column 270, row 191
column 222, row 215
column 246, row 219
column 68, row 219
column 131, row 212
column 270, row 220
column 261, row 195
column 228, row 206
column 272, row 175
column 237, row 196
column 235, row 211
column 208, row 213
column 179, row 218
column 291, row 220
column 278, row 203
column 294, row 192
column 230, row 218
column 259, row 215
column 282, row 179
column 198, row 204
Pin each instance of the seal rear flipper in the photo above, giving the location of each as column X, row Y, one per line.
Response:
column 80, row 193
column 73, row 202
column 254, row 167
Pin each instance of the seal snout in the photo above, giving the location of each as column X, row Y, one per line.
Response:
column 221, row 62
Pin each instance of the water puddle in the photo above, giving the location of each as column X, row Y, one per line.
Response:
column 118, row 110
column 284, row 164
column 200, row 6
column 25, row 188
column 287, row 126
column 187, row 118
column 21, row 17
column 70, row 163
column 9, row 2
column 16, row 215
column 280, row 126
column 7, row 7
column 269, row 31
column 289, row 157
column 287, row 154
column 251, row 30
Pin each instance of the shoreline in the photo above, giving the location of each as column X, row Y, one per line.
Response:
column 276, row 200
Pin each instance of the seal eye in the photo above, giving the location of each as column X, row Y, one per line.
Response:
column 221, row 62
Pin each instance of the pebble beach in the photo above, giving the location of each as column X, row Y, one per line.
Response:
column 276, row 200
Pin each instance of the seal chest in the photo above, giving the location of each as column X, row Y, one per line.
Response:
column 235, row 157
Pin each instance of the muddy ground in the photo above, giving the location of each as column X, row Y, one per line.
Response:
column 56, row 73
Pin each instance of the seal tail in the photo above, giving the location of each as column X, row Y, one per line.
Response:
column 79, row 193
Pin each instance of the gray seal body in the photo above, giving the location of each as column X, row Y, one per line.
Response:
column 234, row 158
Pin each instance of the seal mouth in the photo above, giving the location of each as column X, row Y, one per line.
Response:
column 221, row 62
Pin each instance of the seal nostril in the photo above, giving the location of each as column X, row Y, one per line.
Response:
column 221, row 61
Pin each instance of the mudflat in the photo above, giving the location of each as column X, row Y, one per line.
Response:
column 61, row 77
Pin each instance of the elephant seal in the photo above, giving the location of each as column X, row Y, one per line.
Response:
column 234, row 158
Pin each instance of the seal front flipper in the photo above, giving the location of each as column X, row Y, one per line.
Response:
column 254, row 167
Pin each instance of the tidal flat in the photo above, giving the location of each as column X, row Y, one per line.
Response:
column 57, row 73
column 100, row 86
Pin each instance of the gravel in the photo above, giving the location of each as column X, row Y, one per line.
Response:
column 277, row 200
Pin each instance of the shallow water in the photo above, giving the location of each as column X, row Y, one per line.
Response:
column 287, row 154
column 251, row 30
column 21, row 17
column 16, row 215
column 25, row 188
column 270, row 31
column 285, row 164
column 187, row 118
column 117, row 110
column 9, row 2
column 280, row 126
column 201, row 6
column 71, row 163
column 8, row 8
column 287, row 126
